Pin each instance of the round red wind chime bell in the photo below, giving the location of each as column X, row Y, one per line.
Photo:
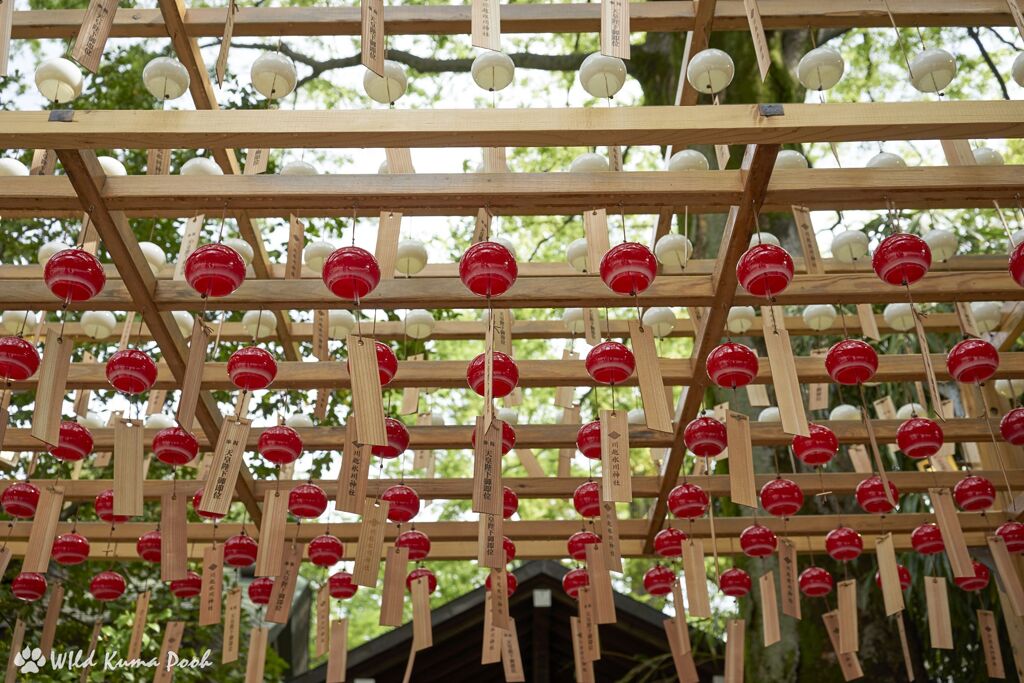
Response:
column 1012, row 427
column 251, row 368
column 398, row 439
column 70, row 549
column 20, row 500
column 765, row 270
column 667, row 543
column 19, row 359
column 74, row 275
column 871, row 496
column 782, row 497
column 1017, row 264
column 131, row 371
column 919, row 438
column 974, row 493
column 488, row 269
column 417, row 542
column 351, row 273
column 844, row 544
column 505, row 374
column 74, row 442
column 732, row 365
column 974, row 583
column 341, row 585
column 574, row 580
column 240, row 550
column 972, row 361
column 214, row 270
column 149, row 545
column 175, row 446
column 404, row 503
column 1013, row 533
column 610, row 363
column 735, row 583
column 817, row 449
column 387, row 363
column 509, row 502
column 901, row 259
column 578, row 542
column 188, row 587
column 758, row 541
column 261, row 588
column 104, row 505
column 107, row 586
column 705, row 437
column 628, row 268
column 29, row 586
column 280, row 444
column 587, row 499
column 688, row 501
column 421, row 573
column 926, row 539
column 815, row 582
column 851, row 361
column 588, row 440
column 308, row 501
column 658, row 580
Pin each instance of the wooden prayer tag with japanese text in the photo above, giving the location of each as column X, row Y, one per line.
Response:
column 232, row 626
column 366, row 391
column 322, row 641
column 372, row 47
column 337, row 658
column 487, row 490
column 128, row 477
column 615, row 28
column 173, row 632
column 93, row 33
column 490, row 549
column 283, row 593
column 212, row 585
column 742, row 489
column 648, row 370
column 848, row 662
column 138, row 625
column 734, row 646
column 173, row 537
column 50, row 387
column 227, row 462
column 392, row 595
column 43, row 529
column 270, row 552
column 355, row 468
column 371, row 542
column 616, row 479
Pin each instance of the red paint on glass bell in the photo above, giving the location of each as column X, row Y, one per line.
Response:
column 19, row 359
column 705, row 437
column 508, row 438
column 251, row 368
column 782, row 497
column 107, row 586
column 1017, row 264
column 326, row 550
column 509, row 547
column 351, row 273
column 972, row 360
column 926, row 539
column 488, row 269
column 765, row 270
column 578, row 542
column 261, row 588
column 74, row 442
column 904, row 574
column 197, row 501
column 186, row 588
column 341, row 585
column 974, row 583
column 70, row 549
column 20, row 499
column 280, row 444
column 505, row 374
column 104, row 504
column 587, row 499
column 574, row 580
column 174, row 446
column 588, row 440
column 628, row 268
column 735, row 583
column 851, row 361
column 871, row 496
column 240, row 551
column 307, row 501
column 214, row 270
column 149, row 545
column 509, row 502
column 511, row 583
column 902, row 259
column 758, row 541
column 29, row 586
column 815, row 582
column 387, row 363
column 398, row 439
column 732, row 365
column 131, row 371
column 658, row 580
column 669, row 542
column 817, row 449
column 417, row 542
column 919, row 437
column 688, row 501
column 610, row 363
column 405, row 503
column 74, row 274
column 1013, row 533
column 844, row 544
column 974, row 493
column 1012, row 427
column 421, row 573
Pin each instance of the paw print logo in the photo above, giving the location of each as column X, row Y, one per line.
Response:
column 29, row 660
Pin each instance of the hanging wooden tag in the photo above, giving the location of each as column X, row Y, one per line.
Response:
column 270, row 552
column 389, row 228
column 615, row 28
column 648, row 370
column 1008, row 576
column 256, row 162
column 43, row 530
column 499, row 599
column 485, row 22
column 757, row 394
column 769, row 609
column 94, row 638
column 808, row 240
column 138, row 625
column 787, row 387
column 192, row 381
column 6, row 26
column 490, row 653
column 173, row 631
column 126, row 331
column 742, row 489
column 422, row 632
column 1015, row 631
column 158, row 161
column 565, row 396
column 885, row 409
column 788, row 579
column 227, row 461
column 584, row 667
column 990, row 644
column 283, row 593
column 939, row 624
column 616, row 480
column 337, row 658
column 682, row 635
column 595, row 228
column 5, row 415
column 848, row 662
column 965, row 318
column 952, row 533
column 232, row 626
column 81, row 396
column 189, row 243
column 513, row 399
column 422, row 458
column 495, row 159
column 392, row 596
column 411, row 397
column 50, row 388
column 399, row 160
column 210, row 592
column 93, row 33
column 128, row 477
column 155, row 401
column 846, row 600
column 511, row 658
column 859, row 458
column 490, row 549
column 321, row 641
column 608, row 529
column 877, row 455
column 588, row 624
column 366, row 391
column 1018, row 15
column 296, row 241
column 371, row 542
column 44, row 161
column 734, row 646
column 222, row 56
column 600, row 584
column 929, row 369
column 592, row 325
column 173, row 537
column 410, row 664
column 682, row 660
column 257, row 655
column 501, row 330
column 696, row 578
column 892, row 593
column 355, row 468
column 54, row 602
column 482, row 227
column 487, row 491
column 17, row 639
column 372, row 46
column 764, row 57
column 908, row 663
column 868, row 323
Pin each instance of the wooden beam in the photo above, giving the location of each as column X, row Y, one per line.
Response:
column 726, row 124
column 673, row 15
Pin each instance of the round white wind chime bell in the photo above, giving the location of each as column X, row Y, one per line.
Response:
column 12, row 167
column 165, row 78
column 493, row 71
column 688, row 160
column 273, row 75
column 790, row 160
column 200, row 166
column 589, row 162
column 886, row 160
column 59, row 80
column 710, row 71
column 412, row 257
column 298, row 167
column 821, row 68
column 602, row 76
column 388, row 88
column 932, row 70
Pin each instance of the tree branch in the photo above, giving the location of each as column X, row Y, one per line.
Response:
column 973, row 33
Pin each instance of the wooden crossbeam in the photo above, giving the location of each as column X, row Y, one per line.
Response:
column 673, row 15
column 727, row 124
